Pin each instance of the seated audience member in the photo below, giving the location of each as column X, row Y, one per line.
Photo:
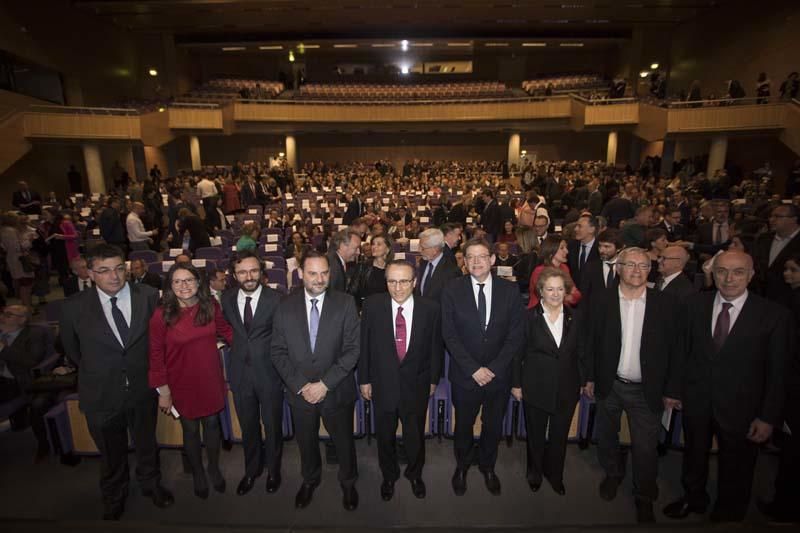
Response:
column 297, row 246
column 183, row 259
column 79, row 279
column 22, row 347
column 503, row 257
column 217, row 282
column 140, row 274
column 198, row 234
column 671, row 278
column 508, row 234
column 249, row 238
column 541, row 225
column 461, row 262
column 369, row 277
column 553, row 253
column 672, row 225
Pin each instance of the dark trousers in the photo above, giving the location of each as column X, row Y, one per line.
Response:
column 257, row 403
column 547, row 458
column 645, row 426
column 212, row 436
column 787, row 490
column 339, row 423
column 413, row 440
column 467, row 404
column 110, row 433
column 736, row 462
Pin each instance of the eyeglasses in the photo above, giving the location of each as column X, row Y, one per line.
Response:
column 477, row 258
column 252, row 272
column 644, row 267
column 399, row 282
column 736, row 272
column 183, row 282
column 120, row 269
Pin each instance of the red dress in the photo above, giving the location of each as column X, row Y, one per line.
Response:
column 185, row 357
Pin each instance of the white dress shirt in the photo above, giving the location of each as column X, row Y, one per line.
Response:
column 778, row 244
column 124, row 304
column 206, row 188
column 241, row 300
column 669, row 278
column 557, row 327
column 487, row 291
column 84, row 284
column 733, row 312
column 408, row 314
column 632, row 320
column 136, row 231
column 607, row 266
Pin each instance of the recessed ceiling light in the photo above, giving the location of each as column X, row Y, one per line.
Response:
column 233, row 48
column 271, row 47
column 345, row 46
column 153, row 72
column 534, row 45
column 310, row 46
column 382, row 45
column 496, row 45
column 459, row 44
column 422, row 45
column 571, row 45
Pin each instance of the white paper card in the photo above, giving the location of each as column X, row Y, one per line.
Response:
column 216, row 241
column 337, row 220
column 233, row 248
column 315, row 220
column 96, row 231
column 174, row 252
column 252, row 211
column 288, row 196
column 199, row 263
column 385, row 208
column 291, row 264
column 424, row 220
column 229, row 218
column 95, row 197
column 165, row 200
column 505, row 271
column 86, row 211
column 399, row 255
column 272, row 237
column 469, row 220
column 269, row 264
column 384, row 200
column 557, row 228
column 166, row 265
column 270, row 247
column 413, row 245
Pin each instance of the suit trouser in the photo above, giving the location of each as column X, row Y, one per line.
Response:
column 645, row 426
column 736, row 462
column 787, row 491
column 547, row 459
column 257, row 403
column 413, row 440
column 467, row 404
column 110, row 433
column 339, row 423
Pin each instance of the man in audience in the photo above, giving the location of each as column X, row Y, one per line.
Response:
column 671, row 279
column 482, row 346
column 672, row 225
column 315, row 348
column 139, row 238
column 435, row 270
column 634, row 230
column 399, row 376
column 541, row 224
column 104, row 330
column 633, row 369
column 110, row 222
column 617, row 208
column 26, row 200
column 595, row 201
column 207, row 191
column 355, row 209
column 504, row 257
column 736, row 348
column 491, row 217
column 274, row 220
column 457, row 213
column 217, row 283
column 79, row 280
column 773, row 249
column 718, row 230
column 252, row 193
column 345, row 248
column 452, row 239
column 140, row 274
column 582, row 250
column 601, row 275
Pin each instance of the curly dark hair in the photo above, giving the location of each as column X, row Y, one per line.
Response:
column 205, row 304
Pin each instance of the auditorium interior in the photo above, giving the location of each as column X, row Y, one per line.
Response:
column 408, row 106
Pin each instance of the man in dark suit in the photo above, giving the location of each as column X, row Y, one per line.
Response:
column 104, row 330
column 633, row 352
column 27, row 200
column 617, row 208
column 435, row 270
column 452, row 239
column 345, row 248
column 672, row 225
column 110, row 222
column 671, row 279
column 491, row 216
column 583, row 249
column 140, row 274
column 772, row 251
column 457, row 213
column 595, row 201
column 315, row 348
column 400, row 366
column 79, row 279
column 503, row 257
column 482, row 326
column 717, row 231
column 736, row 348
column 601, row 275
column 257, row 388
column 355, row 209
column 252, row 193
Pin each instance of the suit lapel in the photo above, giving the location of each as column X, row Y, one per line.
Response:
column 231, row 301
column 97, row 309
column 748, row 315
column 781, row 258
column 416, row 323
column 138, row 323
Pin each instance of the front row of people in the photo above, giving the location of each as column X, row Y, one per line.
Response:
column 720, row 359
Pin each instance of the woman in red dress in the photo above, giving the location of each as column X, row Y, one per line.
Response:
column 553, row 253
column 186, row 370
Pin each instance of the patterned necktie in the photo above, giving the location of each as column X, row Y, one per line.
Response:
column 723, row 326
column 248, row 313
column 400, row 334
column 427, row 280
column 119, row 320
column 482, row 306
column 313, row 323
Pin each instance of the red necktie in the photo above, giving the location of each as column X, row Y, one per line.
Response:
column 723, row 325
column 400, row 334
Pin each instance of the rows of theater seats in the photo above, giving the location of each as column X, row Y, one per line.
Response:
column 576, row 82
column 367, row 91
column 237, row 88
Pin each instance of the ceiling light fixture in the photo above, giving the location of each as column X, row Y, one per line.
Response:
column 271, row 47
column 644, row 74
column 496, row 45
column 233, row 48
column 404, row 45
column 459, row 44
column 534, row 45
column 421, row 45
column 345, row 46
column 571, row 45
column 653, row 66
column 153, row 72
column 382, row 45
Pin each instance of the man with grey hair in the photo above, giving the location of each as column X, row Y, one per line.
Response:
column 435, row 270
column 345, row 247
column 632, row 368
column 671, row 279
column 139, row 238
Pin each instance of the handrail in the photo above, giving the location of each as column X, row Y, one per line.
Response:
column 89, row 110
column 795, row 101
column 681, row 104
column 604, row 101
column 274, row 101
column 195, row 105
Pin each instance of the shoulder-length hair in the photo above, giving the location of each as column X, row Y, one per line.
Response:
column 171, row 305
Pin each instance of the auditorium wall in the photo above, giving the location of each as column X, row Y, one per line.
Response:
column 45, row 168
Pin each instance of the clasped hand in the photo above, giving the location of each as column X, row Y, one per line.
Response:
column 483, row 376
column 314, row 392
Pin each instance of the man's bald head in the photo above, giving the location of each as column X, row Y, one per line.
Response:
column 673, row 259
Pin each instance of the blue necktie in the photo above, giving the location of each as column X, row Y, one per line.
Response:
column 313, row 323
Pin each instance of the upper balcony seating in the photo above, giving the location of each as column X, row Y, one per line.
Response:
column 367, row 91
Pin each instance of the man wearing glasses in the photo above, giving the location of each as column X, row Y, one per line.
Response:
column 671, row 279
column 632, row 357
column 774, row 248
column 399, row 368
column 482, row 326
column 436, row 269
column 104, row 330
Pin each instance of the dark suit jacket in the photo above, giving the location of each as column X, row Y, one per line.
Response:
column 103, row 363
column 71, row 285
column 255, row 344
column 593, row 282
column 336, row 351
column 678, row 233
column 616, row 210
column 492, row 219
column 574, row 249
column 770, row 277
column 442, row 274
column 338, row 277
column 28, row 350
column 680, row 288
column 705, row 233
column 354, row 210
column 152, row 279
column 111, row 228
column 469, row 347
column 550, row 375
column 248, row 198
column 198, row 234
column 660, row 351
column 457, row 213
column 745, row 379
column 396, row 385
column 17, row 200
column 595, row 203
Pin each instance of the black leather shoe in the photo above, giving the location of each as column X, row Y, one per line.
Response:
column 162, row 498
column 644, row 512
column 608, row 488
column 492, row 482
column 273, row 483
column 460, row 482
column 558, row 487
column 418, row 488
column 387, row 490
column 350, row 498
column 534, row 485
column 245, row 485
column 680, row 509
column 304, row 495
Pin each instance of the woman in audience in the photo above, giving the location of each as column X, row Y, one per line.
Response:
column 16, row 253
column 370, row 277
column 249, row 239
column 547, row 376
column 186, row 370
column 508, row 234
column 198, row 233
column 657, row 242
column 553, row 253
column 528, row 257
column 69, row 235
column 297, row 246
column 230, row 194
